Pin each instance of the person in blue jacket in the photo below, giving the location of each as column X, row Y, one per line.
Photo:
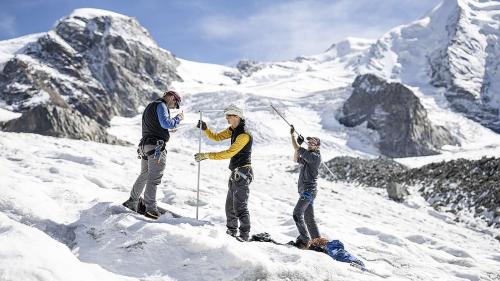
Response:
column 156, row 121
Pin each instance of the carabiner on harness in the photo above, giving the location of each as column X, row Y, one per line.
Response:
column 307, row 196
column 158, row 149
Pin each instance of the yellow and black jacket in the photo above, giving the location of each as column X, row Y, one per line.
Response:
column 240, row 150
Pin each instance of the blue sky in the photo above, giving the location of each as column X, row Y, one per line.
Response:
column 225, row 31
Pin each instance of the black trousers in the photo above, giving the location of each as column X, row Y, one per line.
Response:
column 237, row 200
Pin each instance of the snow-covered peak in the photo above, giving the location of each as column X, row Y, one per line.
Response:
column 350, row 45
column 8, row 48
column 93, row 13
column 102, row 22
column 451, row 52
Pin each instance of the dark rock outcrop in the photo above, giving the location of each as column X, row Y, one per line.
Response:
column 99, row 63
column 370, row 172
column 396, row 114
column 457, row 186
column 247, row 67
column 60, row 122
column 462, row 185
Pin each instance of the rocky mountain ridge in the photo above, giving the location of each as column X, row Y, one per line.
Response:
column 454, row 49
column 99, row 63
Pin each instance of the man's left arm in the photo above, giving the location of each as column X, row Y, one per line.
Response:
column 165, row 121
column 236, row 147
column 309, row 156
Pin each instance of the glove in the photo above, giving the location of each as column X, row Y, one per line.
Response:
column 202, row 124
column 200, row 156
column 292, row 130
column 300, row 139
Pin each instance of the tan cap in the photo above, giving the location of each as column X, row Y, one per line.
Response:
column 233, row 110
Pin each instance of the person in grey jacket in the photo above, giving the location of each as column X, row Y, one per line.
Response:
column 156, row 121
column 303, row 213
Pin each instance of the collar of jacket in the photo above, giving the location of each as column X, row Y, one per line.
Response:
column 239, row 127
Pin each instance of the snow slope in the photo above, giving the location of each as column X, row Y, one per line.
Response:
column 69, row 192
column 57, row 191
column 61, row 219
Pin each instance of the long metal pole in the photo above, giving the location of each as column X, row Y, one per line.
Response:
column 199, row 167
column 328, row 169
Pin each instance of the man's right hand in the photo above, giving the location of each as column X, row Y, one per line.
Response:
column 300, row 139
column 180, row 116
column 292, row 130
column 202, row 124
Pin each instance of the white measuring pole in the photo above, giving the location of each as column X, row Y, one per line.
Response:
column 199, row 167
column 283, row 117
column 199, row 163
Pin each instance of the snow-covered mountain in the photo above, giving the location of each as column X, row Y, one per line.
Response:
column 99, row 63
column 104, row 64
column 455, row 49
column 60, row 213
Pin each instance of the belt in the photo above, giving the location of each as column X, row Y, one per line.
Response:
column 237, row 172
column 160, row 146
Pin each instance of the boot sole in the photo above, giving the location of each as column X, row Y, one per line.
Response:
column 148, row 215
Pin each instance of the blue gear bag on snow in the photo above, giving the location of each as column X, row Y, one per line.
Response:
column 335, row 249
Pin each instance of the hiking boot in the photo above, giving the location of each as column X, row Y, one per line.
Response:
column 232, row 232
column 243, row 237
column 301, row 244
column 152, row 213
column 131, row 204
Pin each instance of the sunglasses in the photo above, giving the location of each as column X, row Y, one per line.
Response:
column 177, row 98
column 231, row 115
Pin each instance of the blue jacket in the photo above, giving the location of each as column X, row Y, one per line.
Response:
column 156, row 121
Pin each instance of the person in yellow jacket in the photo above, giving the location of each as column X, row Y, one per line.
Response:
column 240, row 153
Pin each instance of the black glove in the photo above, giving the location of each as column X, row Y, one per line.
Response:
column 292, row 130
column 202, row 124
column 300, row 139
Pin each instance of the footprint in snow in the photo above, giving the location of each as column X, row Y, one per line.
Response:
column 384, row 237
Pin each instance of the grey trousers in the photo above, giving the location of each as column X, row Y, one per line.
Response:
column 237, row 201
column 303, row 215
column 150, row 176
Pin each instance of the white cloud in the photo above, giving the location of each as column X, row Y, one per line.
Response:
column 7, row 25
column 294, row 28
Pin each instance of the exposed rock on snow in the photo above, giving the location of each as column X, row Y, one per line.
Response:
column 396, row 114
column 247, row 67
column 374, row 172
column 396, row 191
column 459, row 186
column 56, row 121
column 462, row 186
column 100, row 63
